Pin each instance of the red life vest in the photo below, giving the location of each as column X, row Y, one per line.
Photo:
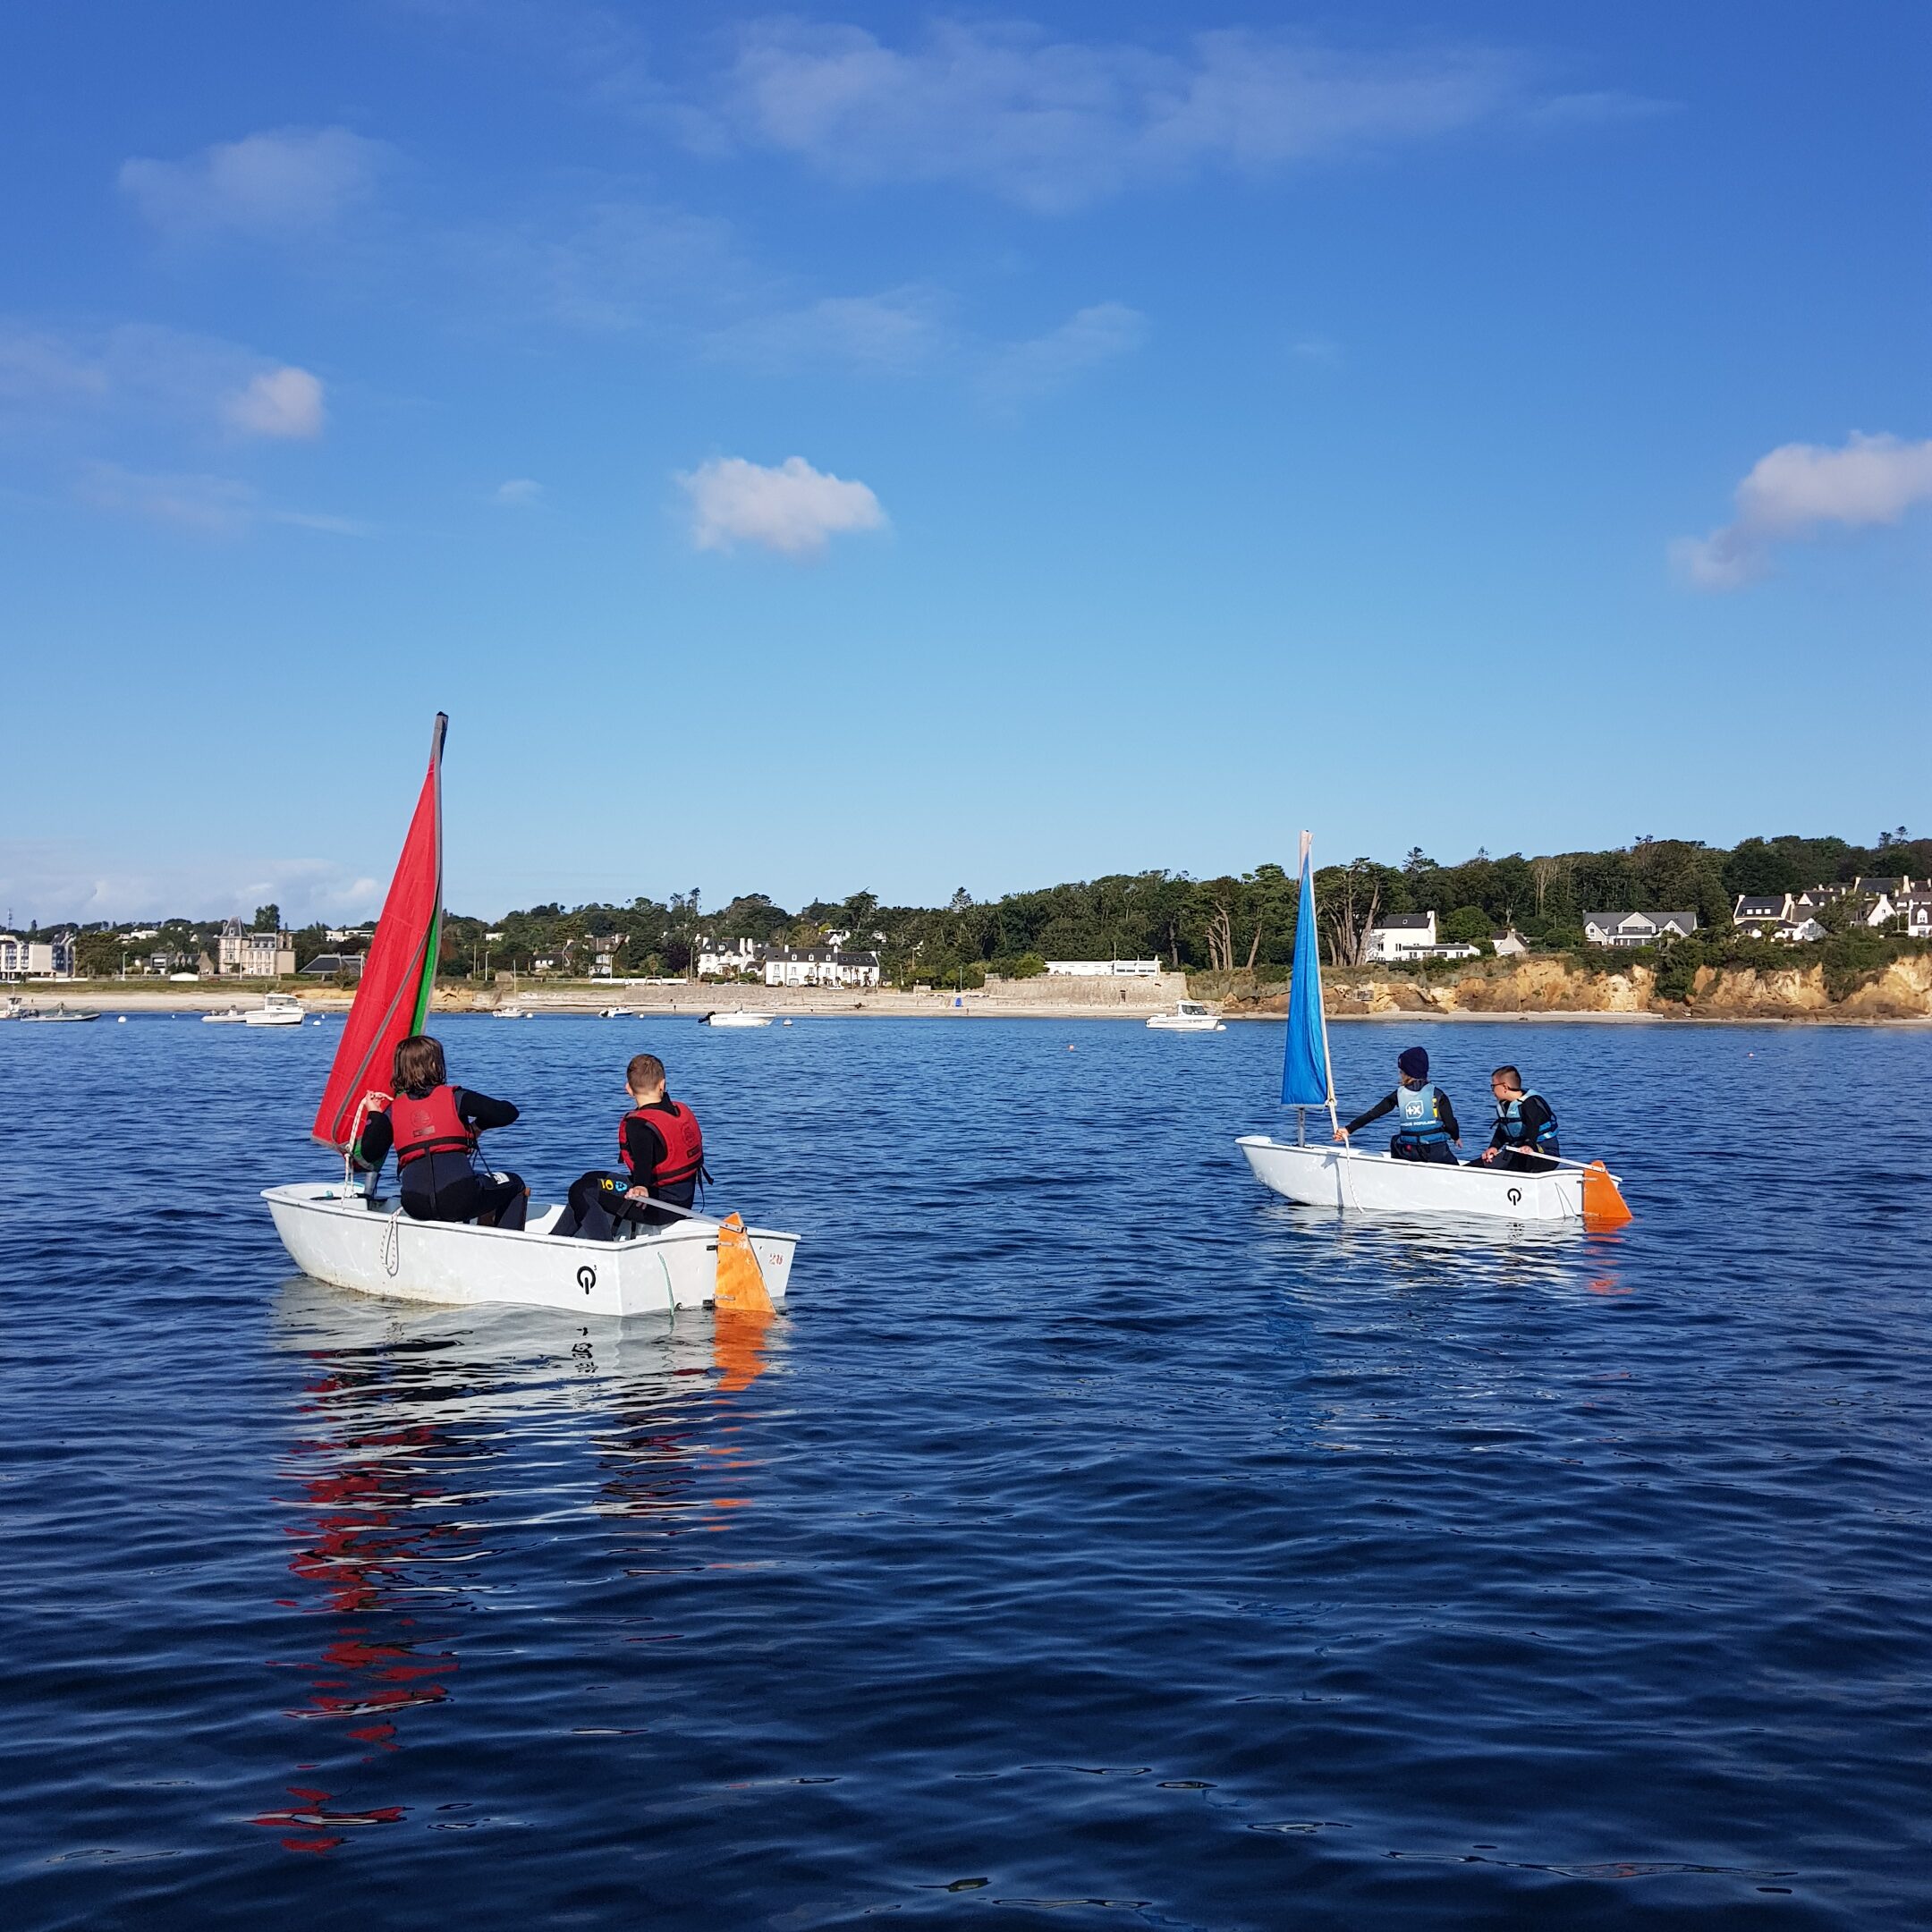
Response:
column 429, row 1125
column 683, row 1157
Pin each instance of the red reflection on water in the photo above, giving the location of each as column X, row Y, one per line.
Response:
column 376, row 1530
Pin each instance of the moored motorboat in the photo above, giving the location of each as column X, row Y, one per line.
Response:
column 737, row 1017
column 1188, row 1016
column 333, row 1233
column 276, row 1009
column 59, row 1014
column 616, row 1012
column 233, row 1016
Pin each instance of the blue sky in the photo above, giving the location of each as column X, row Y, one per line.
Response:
column 860, row 447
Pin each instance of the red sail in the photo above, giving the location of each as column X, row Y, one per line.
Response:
column 392, row 997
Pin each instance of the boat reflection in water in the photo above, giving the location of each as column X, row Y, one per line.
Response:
column 431, row 1440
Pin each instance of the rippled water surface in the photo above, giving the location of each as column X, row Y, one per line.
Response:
column 1096, row 1540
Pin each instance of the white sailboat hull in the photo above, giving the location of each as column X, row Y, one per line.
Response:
column 738, row 1019
column 335, row 1236
column 1352, row 1181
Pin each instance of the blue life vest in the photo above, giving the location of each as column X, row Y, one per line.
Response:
column 1509, row 1117
column 1415, row 1109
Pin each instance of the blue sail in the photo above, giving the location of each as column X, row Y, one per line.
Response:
column 1305, row 1079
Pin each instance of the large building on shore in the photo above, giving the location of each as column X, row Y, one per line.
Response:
column 36, row 959
column 243, row 955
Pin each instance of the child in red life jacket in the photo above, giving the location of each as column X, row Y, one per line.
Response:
column 433, row 1128
column 662, row 1149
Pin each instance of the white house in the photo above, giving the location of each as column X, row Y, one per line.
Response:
column 1759, row 915
column 717, row 958
column 1637, row 928
column 254, row 955
column 1411, row 935
column 1913, row 912
column 36, row 959
column 1117, row 969
column 1510, row 944
column 821, row 966
column 1874, row 901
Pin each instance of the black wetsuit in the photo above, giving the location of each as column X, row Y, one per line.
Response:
column 597, row 1198
column 1399, row 1147
column 448, row 1185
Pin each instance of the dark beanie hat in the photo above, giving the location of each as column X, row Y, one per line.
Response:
column 1414, row 1062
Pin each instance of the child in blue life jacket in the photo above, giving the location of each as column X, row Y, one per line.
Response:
column 433, row 1128
column 1425, row 1127
column 662, row 1149
column 1525, row 1137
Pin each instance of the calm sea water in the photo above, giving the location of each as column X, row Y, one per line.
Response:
column 1097, row 1541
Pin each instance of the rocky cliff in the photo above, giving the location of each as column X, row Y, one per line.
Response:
column 1902, row 990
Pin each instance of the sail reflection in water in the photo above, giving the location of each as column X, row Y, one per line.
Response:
column 433, row 1440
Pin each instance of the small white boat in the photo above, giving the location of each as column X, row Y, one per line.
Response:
column 276, row 1009
column 616, row 1012
column 233, row 1016
column 337, row 1235
column 59, row 1014
column 1188, row 1016
column 1351, row 1180
column 514, row 1011
column 737, row 1017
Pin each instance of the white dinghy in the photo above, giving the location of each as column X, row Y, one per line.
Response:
column 1356, row 1182
column 737, row 1017
column 335, row 1231
column 337, row 1234
column 1349, row 1180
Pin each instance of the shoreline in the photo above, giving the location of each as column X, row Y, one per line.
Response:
column 112, row 997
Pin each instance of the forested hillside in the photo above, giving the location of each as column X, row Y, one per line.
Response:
column 1217, row 924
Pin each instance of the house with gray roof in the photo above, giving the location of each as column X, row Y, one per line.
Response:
column 1413, row 936
column 1637, row 928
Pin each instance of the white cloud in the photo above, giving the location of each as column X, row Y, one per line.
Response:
column 137, row 372
column 283, row 182
column 1056, row 125
column 213, row 506
column 519, row 493
column 1797, row 491
column 1102, row 332
column 791, row 509
column 278, row 403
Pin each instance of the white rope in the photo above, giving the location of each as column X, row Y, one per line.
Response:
column 392, row 1252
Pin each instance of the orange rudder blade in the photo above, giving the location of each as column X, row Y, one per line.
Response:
column 740, row 1282
column 1603, row 1205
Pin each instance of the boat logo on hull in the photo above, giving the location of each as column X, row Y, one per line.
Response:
column 587, row 1277
column 1515, row 1196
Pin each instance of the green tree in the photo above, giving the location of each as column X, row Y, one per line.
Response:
column 1467, row 924
column 269, row 918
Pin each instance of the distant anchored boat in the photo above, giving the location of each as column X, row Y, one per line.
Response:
column 1340, row 1175
column 57, row 1014
column 276, row 1009
column 1188, row 1016
column 737, row 1017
